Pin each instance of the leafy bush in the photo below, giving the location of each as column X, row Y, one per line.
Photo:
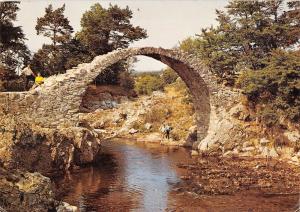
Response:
column 275, row 89
column 147, row 83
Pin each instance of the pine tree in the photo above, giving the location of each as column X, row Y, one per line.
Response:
column 52, row 58
column 246, row 34
column 54, row 25
column 13, row 51
column 104, row 30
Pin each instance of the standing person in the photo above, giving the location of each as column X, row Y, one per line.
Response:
column 168, row 129
column 29, row 76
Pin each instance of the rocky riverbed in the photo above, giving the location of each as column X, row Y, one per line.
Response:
column 213, row 175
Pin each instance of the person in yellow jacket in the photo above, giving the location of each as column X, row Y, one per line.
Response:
column 38, row 81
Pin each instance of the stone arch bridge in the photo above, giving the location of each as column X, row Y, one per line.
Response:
column 57, row 101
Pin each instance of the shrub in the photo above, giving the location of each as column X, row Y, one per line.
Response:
column 156, row 115
column 147, row 83
column 275, row 90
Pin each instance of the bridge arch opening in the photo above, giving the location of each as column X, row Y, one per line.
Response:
column 183, row 66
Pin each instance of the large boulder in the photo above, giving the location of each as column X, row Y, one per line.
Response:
column 24, row 191
column 191, row 137
column 49, row 151
column 293, row 136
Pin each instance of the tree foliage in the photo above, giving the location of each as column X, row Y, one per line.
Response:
column 246, row 34
column 54, row 25
column 255, row 46
column 275, row 88
column 104, row 30
column 13, row 51
column 53, row 58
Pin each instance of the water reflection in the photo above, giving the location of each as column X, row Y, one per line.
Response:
column 130, row 177
column 140, row 177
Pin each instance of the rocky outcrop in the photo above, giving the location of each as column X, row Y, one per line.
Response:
column 232, row 132
column 24, row 191
column 45, row 150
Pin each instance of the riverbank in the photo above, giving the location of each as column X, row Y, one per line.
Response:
column 147, row 176
column 213, row 175
column 218, row 175
column 237, row 184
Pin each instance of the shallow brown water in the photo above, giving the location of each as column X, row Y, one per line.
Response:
column 141, row 177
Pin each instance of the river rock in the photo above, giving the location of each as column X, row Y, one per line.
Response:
column 293, row 136
column 86, row 146
column 240, row 112
column 194, row 153
column 247, row 144
column 24, row 191
column 264, row 141
column 132, row 131
column 248, row 149
column 99, row 124
column 221, row 129
column 46, row 150
column 263, row 183
column 228, row 154
column 295, row 159
column 148, row 126
column 268, row 152
column 66, row 207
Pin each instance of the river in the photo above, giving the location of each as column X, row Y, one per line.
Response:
column 141, row 177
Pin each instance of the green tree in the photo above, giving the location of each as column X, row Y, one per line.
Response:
column 14, row 54
column 53, row 58
column 50, row 60
column 255, row 47
column 54, row 25
column 246, row 34
column 75, row 53
column 275, row 88
column 104, row 30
